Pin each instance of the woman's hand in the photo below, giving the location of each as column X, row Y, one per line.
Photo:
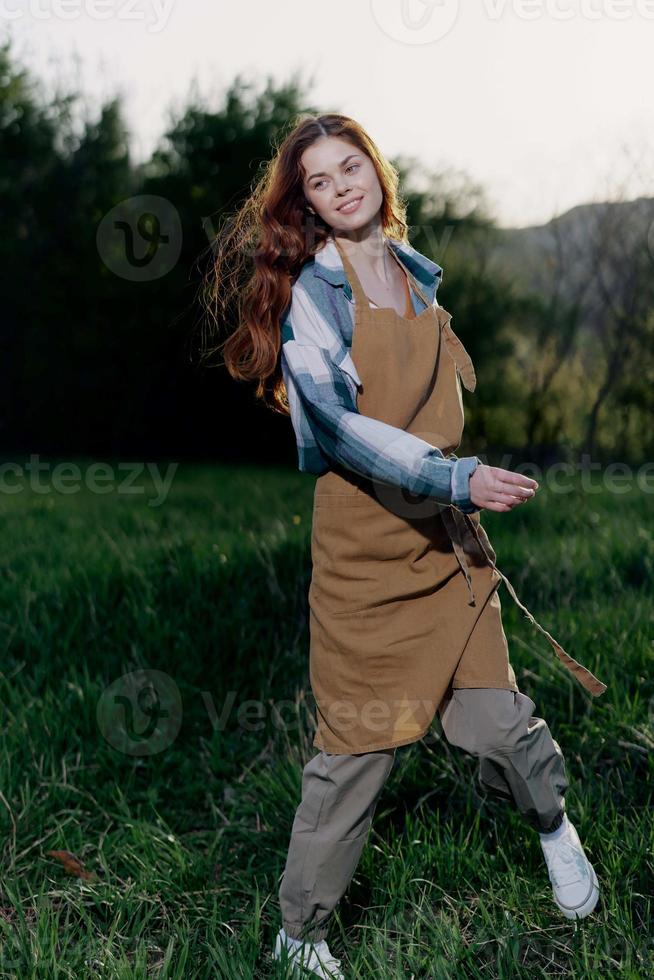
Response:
column 497, row 489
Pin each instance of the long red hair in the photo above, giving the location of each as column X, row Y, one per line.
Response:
column 281, row 234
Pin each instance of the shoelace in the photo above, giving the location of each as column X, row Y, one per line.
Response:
column 563, row 859
column 324, row 958
column 329, row 960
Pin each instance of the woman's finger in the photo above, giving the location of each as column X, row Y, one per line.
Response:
column 507, row 476
column 512, row 500
column 514, row 490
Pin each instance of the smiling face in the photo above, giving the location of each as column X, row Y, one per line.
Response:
column 341, row 184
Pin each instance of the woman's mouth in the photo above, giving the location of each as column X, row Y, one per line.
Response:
column 351, row 206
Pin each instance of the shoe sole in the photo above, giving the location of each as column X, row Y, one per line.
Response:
column 581, row 911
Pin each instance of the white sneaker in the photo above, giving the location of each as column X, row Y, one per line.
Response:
column 314, row 957
column 573, row 878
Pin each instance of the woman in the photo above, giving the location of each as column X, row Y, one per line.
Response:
column 405, row 620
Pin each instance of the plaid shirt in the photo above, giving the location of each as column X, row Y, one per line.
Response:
column 321, row 382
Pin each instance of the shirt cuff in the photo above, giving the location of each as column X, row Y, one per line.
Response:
column 461, row 472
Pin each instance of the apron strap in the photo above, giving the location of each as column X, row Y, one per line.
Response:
column 355, row 284
column 458, row 525
column 457, row 351
column 408, row 279
column 459, row 354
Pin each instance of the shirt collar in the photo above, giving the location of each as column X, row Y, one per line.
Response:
column 329, row 266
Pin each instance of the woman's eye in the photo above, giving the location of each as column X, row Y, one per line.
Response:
column 351, row 166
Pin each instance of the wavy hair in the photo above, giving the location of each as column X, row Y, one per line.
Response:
column 275, row 226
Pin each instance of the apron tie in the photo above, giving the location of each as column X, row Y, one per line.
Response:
column 459, row 526
column 458, row 353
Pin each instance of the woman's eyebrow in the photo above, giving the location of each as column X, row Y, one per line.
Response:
column 341, row 164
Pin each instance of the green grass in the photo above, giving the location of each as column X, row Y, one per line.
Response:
column 188, row 842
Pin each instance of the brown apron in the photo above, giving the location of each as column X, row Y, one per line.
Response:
column 403, row 599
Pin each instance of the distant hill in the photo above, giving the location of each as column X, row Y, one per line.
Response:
column 568, row 251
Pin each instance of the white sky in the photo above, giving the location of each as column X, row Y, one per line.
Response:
column 547, row 103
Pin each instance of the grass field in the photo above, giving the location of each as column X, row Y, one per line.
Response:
column 179, row 810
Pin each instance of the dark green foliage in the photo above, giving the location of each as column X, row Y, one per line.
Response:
column 97, row 362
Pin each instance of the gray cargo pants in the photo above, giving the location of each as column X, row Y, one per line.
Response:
column 519, row 761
